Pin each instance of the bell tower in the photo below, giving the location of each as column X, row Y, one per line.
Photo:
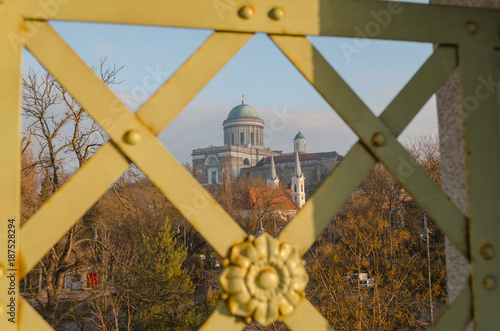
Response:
column 299, row 143
column 298, row 183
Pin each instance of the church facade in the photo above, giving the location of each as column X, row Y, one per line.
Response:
column 243, row 147
column 244, row 154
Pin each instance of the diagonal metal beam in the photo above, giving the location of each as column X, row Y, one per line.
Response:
column 30, row 319
column 458, row 312
column 109, row 163
column 306, row 318
column 310, row 221
column 366, row 125
column 46, row 227
column 223, row 319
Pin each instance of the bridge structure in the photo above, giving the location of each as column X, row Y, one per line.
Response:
column 465, row 39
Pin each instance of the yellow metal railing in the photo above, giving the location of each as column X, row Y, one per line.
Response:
column 466, row 37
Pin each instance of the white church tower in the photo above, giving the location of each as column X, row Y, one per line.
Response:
column 272, row 180
column 298, row 192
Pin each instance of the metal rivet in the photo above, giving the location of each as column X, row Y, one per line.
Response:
column 225, row 296
column 276, row 13
column 268, row 279
column 378, row 139
column 132, row 137
column 225, row 262
column 245, row 12
column 489, row 282
column 487, row 251
column 471, row 27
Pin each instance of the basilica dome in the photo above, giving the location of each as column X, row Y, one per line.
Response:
column 243, row 110
column 244, row 127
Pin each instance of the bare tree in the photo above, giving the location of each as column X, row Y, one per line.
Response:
column 62, row 135
column 425, row 150
column 384, row 192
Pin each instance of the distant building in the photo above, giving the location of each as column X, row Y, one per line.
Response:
column 277, row 201
column 314, row 166
column 244, row 155
column 300, row 143
column 257, row 198
column 243, row 147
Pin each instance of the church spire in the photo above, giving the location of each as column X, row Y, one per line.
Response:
column 272, row 170
column 298, row 183
column 272, row 180
column 297, row 171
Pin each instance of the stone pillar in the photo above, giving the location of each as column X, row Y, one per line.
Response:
column 452, row 153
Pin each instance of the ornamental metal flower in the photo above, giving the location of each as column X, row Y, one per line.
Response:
column 263, row 280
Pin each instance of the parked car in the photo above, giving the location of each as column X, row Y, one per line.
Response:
column 363, row 279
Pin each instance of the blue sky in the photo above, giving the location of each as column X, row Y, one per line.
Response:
column 269, row 81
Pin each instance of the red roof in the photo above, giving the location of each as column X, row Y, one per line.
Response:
column 268, row 198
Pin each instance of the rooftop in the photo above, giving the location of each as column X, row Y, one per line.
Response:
column 303, row 157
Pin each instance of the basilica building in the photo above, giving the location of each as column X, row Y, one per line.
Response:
column 243, row 147
column 244, row 154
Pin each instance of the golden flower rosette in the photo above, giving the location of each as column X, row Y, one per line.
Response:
column 263, row 279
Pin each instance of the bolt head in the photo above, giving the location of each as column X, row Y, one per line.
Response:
column 245, row 12
column 489, row 282
column 378, row 139
column 276, row 13
column 487, row 251
column 132, row 137
column 471, row 27
column 268, row 279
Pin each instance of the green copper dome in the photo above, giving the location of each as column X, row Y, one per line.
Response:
column 299, row 136
column 243, row 110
